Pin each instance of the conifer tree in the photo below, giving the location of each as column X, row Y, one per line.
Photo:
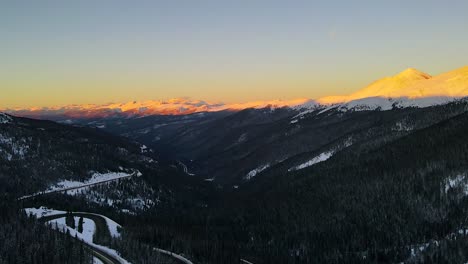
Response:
column 80, row 225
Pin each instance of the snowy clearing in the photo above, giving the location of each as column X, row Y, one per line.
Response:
column 457, row 182
column 89, row 227
column 73, row 233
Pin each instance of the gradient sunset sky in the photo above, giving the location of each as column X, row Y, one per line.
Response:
column 75, row 52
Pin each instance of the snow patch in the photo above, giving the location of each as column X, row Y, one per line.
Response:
column 74, row 233
column 384, row 104
column 256, row 171
column 14, row 147
column 97, row 261
column 322, row 157
column 143, row 148
column 242, row 138
column 402, row 126
column 457, row 182
column 89, row 227
column 42, row 212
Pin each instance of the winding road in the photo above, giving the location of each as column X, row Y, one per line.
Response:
column 73, row 188
column 101, row 229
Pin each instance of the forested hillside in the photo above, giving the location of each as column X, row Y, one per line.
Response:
column 370, row 203
column 35, row 154
column 394, row 190
column 227, row 147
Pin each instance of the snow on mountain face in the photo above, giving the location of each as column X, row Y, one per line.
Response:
column 256, row 171
column 411, row 84
column 322, row 157
column 177, row 106
column 410, row 88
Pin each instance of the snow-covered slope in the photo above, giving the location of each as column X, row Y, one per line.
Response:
column 410, row 88
column 410, row 85
column 388, row 87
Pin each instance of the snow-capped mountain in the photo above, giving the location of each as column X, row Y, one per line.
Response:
column 410, row 88
column 177, row 106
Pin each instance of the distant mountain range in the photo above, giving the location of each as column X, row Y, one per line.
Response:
column 177, row 106
column 410, row 88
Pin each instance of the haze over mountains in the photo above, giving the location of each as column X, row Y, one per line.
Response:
column 408, row 88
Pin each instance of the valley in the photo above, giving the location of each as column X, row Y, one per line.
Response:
column 352, row 182
column 233, row 132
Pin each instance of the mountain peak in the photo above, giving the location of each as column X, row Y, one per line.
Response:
column 412, row 73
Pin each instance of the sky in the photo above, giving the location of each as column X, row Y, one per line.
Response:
column 100, row 51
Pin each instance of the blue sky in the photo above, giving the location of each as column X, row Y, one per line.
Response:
column 60, row 52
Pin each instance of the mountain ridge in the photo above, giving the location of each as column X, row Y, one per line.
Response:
column 409, row 88
column 410, row 84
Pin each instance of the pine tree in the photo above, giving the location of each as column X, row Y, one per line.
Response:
column 80, row 225
column 70, row 220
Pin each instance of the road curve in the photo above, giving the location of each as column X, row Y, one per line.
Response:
column 96, row 252
column 102, row 224
column 102, row 256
